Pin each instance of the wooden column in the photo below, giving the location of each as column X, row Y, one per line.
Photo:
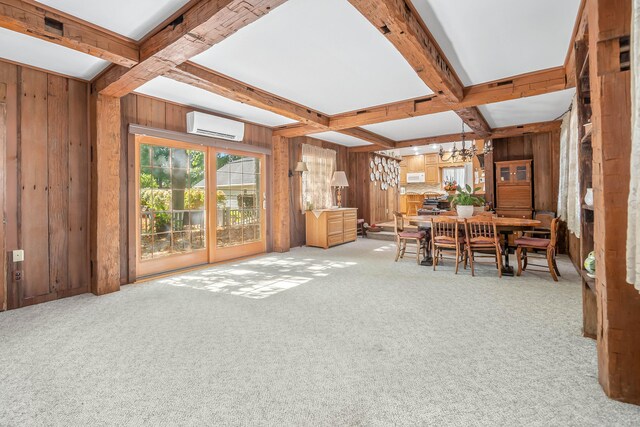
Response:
column 105, row 194
column 618, row 333
column 281, row 209
column 3, row 168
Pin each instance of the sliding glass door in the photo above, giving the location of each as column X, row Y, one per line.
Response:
column 239, row 205
column 191, row 213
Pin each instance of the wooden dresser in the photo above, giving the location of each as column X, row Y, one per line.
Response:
column 331, row 227
column 514, row 193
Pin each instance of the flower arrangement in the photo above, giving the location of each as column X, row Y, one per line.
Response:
column 450, row 185
column 466, row 197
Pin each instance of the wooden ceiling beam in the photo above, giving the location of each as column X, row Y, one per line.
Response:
column 504, row 132
column 227, row 87
column 53, row 26
column 516, row 87
column 404, row 28
column 475, row 120
column 579, row 31
column 439, row 139
column 400, row 25
column 530, row 128
column 207, row 23
column 378, row 140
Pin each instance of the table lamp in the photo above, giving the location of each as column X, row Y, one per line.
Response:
column 339, row 180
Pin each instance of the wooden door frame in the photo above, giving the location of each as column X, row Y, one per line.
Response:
column 3, row 172
column 211, row 254
column 224, row 254
column 173, row 262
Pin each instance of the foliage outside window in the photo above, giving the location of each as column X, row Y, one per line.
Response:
column 172, row 201
column 238, row 210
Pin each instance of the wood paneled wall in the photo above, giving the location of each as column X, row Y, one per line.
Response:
column 47, row 189
column 297, row 223
column 544, row 149
column 147, row 111
column 374, row 204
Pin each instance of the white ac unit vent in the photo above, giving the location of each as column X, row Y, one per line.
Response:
column 415, row 177
column 214, row 126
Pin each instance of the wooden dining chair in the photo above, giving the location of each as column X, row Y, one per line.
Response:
column 482, row 237
column 445, row 237
column 526, row 244
column 403, row 236
column 544, row 229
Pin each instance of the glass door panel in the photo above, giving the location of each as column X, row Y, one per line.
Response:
column 172, row 207
column 239, row 214
column 184, row 189
column 505, row 174
column 521, row 173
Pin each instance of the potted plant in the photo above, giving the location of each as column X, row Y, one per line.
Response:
column 465, row 200
column 450, row 186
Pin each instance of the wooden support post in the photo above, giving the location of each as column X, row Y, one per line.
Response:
column 105, row 194
column 3, row 168
column 618, row 332
column 281, row 209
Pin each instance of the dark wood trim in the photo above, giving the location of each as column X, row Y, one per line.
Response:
column 53, row 26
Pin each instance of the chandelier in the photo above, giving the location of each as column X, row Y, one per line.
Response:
column 463, row 154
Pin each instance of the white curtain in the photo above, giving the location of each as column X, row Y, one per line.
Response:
column 454, row 174
column 633, row 225
column 569, row 196
column 316, row 183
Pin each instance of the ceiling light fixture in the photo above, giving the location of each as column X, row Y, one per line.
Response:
column 464, row 154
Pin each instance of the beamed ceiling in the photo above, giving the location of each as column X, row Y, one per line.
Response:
column 369, row 74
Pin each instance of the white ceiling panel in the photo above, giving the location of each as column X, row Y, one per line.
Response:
column 341, row 139
column 419, row 127
column 48, row 56
column 133, row 19
column 493, row 39
column 181, row 93
column 541, row 108
column 321, row 54
column 425, row 149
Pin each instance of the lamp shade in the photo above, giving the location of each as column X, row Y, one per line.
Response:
column 339, row 179
column 301, row 167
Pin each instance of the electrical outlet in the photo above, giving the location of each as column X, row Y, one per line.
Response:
column 18, row 255
column 17, row 275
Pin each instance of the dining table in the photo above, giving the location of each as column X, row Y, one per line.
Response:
column 504, row 225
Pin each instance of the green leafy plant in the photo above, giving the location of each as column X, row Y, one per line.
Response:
column 221, row 198
column 466, row 197
column 194, row 198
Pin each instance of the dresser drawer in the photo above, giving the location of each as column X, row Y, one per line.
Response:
column 332, row 216
column 350, row 236
column 350, row 215
column 335, row 239
column 335, row 226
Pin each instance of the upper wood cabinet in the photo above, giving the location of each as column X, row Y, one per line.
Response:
column 515, row 172
column 430, row 159
column 431, row 169
column 432, row 174
column 403, row 174
column 514, row 189
column 415, row 164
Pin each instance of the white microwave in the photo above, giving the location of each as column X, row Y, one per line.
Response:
column 415, row 177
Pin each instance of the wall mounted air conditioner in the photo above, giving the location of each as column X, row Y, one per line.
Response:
column 214, row 126
column 415, row 177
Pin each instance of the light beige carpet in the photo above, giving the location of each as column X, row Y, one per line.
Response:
column 313, row 337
